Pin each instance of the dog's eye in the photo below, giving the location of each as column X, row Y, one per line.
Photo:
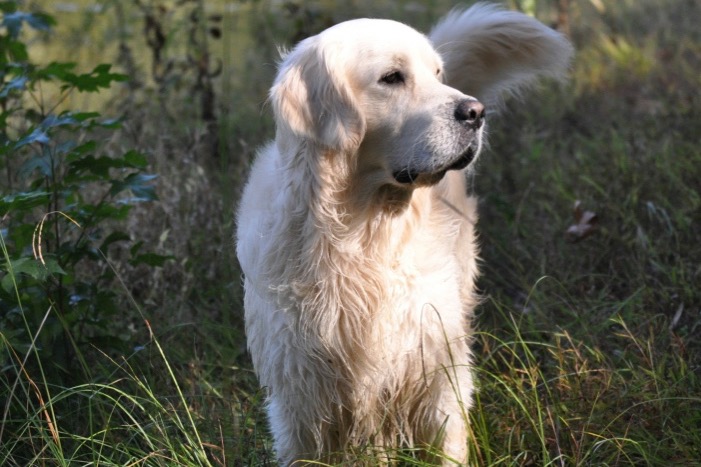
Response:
column 394, row 77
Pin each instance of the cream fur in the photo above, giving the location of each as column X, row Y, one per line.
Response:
column 359, row 281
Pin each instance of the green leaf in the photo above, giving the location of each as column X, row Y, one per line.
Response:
column 16, row 84
column 135, row 248
column 113, row 238
column 151, row 259
column 53, row 121
column 8, row 283
column 100, row 166
column 100, row 77
column 75, row 152
column 40, row 162
column 84, row 116
column 135, row 159
column 23, row 201
column 20, row 234
column 89, row 215
column 13, row 21
column 112, row 123
column 40, row 21
column 38, row 135
column 18, row 51
column 139, row 185
column 53, row 70
column 34, row 268
column 97, row 165
column 52, row 267
column 8, row 6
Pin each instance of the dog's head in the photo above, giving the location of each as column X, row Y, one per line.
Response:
column 376, row 89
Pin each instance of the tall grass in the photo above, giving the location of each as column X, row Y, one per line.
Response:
column 548, row 399
column 138, row 409
column 590, row 353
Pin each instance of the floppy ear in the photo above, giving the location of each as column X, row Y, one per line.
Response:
column 312, row 98
column 489, row 51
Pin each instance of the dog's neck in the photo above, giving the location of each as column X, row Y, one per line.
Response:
column 365, row 202
column 354, row 229
column 390, row 199
column 341, row 221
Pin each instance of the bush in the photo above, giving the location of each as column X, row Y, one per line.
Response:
column 64, row 196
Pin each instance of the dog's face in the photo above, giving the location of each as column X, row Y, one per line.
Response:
column 374, row 89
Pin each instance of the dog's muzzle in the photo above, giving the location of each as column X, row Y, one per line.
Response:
column 406, row 176
column 470, row 115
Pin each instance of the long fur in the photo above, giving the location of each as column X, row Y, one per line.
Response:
column 498, row 51
column 359, row 289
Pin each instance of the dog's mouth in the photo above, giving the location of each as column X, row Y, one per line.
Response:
column 409, row 176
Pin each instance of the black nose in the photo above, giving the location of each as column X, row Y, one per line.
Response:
column 470, row 111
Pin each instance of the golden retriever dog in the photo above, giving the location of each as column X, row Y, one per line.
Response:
column 356, row 232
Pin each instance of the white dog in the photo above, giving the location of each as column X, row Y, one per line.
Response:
column 356, row 234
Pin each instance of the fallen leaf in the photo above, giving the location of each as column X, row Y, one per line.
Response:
column 585, row 224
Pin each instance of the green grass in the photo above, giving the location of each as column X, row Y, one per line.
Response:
column 588, row 352
column 139, row 409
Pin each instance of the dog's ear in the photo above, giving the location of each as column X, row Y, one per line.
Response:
column 312, row 98
column 489, row 51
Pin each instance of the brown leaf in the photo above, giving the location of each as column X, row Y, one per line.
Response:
column 585, row 224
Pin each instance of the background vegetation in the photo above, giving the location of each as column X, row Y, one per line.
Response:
column 126, row 128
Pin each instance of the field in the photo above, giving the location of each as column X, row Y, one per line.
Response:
column 128, row 349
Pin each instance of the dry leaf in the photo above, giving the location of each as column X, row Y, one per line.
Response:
column 584, row 226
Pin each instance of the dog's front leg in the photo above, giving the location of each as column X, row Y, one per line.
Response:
column 446, row 427
column 291, row 444
column 453, row 405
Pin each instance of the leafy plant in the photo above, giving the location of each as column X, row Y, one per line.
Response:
column 63, row 198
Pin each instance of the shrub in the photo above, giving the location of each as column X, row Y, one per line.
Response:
column 64, row 195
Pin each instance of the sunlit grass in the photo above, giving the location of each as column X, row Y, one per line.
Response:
column 137, row 410
column 548, row 399
column 136, row 413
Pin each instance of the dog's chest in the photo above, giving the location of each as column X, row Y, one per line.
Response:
column 424, row 285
